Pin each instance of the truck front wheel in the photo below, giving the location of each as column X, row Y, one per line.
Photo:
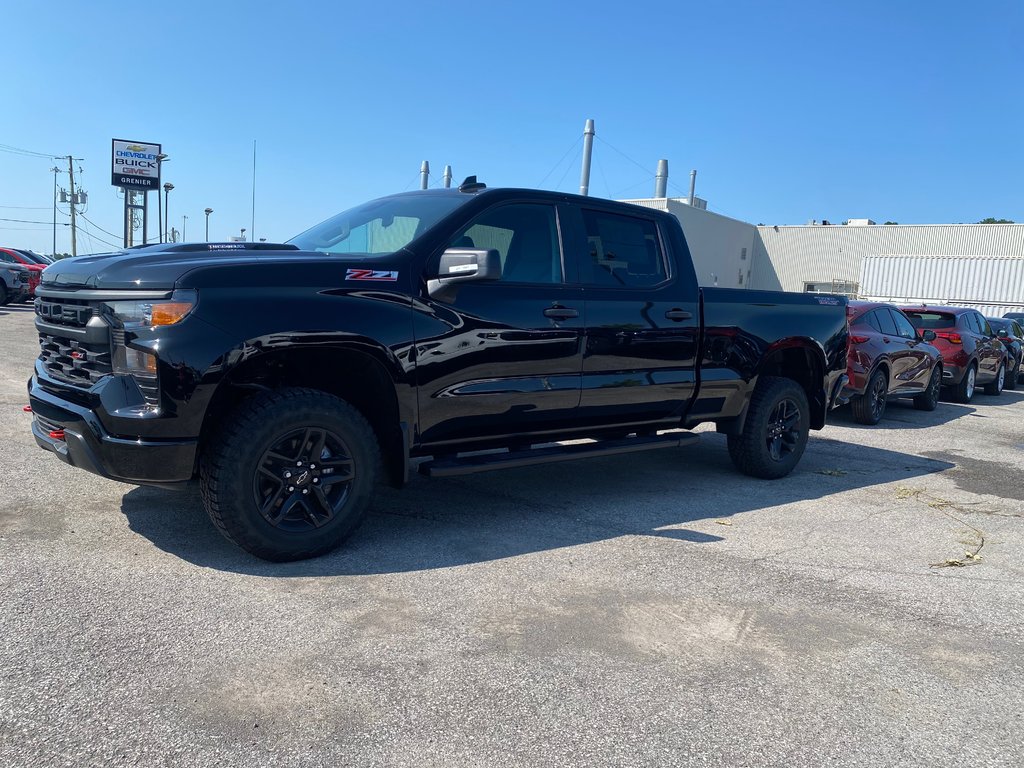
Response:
column 291, row 474
column 775, row 433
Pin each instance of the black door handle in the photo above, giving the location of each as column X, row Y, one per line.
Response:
column 560, row 313
column 678, row 314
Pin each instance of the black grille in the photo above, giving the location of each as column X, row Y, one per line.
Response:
column 73, row 312
column 73, row 361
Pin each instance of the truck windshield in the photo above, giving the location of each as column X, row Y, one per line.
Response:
column 379, row 227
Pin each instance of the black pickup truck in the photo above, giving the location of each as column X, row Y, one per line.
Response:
column 418, row 331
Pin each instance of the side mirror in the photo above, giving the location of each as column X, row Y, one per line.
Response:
column 1002, row 334
column 462, row 265
column 928, row 336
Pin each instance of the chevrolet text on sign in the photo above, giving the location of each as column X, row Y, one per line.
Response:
column 134, row 164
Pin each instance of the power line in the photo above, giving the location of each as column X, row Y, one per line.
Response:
column 26, row 221
column 101, row 229
column 27, row 152
column 93, row 236
column 27, row 207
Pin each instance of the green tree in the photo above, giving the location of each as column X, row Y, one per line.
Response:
column 990, row 220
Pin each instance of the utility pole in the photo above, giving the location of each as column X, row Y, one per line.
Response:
column 71, row 173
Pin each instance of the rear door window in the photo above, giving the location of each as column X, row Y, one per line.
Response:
column 903, row 326
column 871, row 321
column 624, row 251
column 886, row 323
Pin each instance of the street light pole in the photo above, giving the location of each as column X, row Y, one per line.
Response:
column 160, row 160
column 184, row 218
column 208, row 211
column 167, row 207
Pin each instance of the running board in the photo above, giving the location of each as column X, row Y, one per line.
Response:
column 483, row 462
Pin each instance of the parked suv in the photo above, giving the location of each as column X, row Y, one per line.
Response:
column 31, row 261
column 888, row 357
column 13, row 283
column 1011, row 334
column 971, row 353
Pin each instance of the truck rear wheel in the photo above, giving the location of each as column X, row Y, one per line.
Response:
column 775, row 433
column 291, row 474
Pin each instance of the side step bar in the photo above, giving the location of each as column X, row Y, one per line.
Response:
column 483, row 462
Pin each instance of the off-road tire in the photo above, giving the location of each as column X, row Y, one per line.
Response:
column 4, row 296
column 929, row 399
column 995, row 387
column 230, row 471
column 753, row 451
column 870, row 407
column 964, row 391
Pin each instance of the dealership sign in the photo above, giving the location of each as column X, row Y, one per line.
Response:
column 134, row 164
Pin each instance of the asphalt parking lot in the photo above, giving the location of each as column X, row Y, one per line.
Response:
column 652, row 610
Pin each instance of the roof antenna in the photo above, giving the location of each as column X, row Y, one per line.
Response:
column 471, row 185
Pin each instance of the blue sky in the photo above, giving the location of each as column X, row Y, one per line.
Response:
column 904, row 111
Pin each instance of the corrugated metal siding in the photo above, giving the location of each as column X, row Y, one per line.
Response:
column 796, row 255
column 995, row 283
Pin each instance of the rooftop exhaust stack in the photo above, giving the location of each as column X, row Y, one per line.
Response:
column 447, row 177
column 661, row 180
column 424, row 174
column 693, row 186
column 588, row 149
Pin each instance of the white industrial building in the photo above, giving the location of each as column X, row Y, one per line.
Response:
column 979, row 265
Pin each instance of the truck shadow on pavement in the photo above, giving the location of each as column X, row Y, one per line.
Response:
column 665, row 494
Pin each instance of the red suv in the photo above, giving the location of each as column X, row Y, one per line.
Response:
column 35, row 265
column 971, row 353
column 888, row 358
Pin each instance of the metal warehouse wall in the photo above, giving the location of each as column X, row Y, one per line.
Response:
column 993, row 285
column 790, row 256
column 722, row 248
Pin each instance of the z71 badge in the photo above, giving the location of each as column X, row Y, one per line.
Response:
column 372, row 275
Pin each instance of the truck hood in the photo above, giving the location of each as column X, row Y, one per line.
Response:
column 159, row 267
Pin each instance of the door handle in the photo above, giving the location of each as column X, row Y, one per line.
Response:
column 885, row 339
column 560, row 313
column 678, row 314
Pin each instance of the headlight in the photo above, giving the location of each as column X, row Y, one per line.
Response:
column 152, row 314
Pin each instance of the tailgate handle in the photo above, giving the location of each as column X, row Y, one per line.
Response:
column 560, row 313
column 678, row 314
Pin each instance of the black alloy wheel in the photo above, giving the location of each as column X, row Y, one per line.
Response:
column 783, row 435
column 1012, row 374
column 304, row 479
column 289, row 474
column 775, row 432
column 929, row 399
column 870, row 407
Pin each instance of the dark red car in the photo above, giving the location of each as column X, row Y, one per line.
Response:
column 971, row 353
column 35, row 267
column 1011, row 333
column 888, row 358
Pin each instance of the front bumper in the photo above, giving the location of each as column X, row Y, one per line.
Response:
column 77, row 437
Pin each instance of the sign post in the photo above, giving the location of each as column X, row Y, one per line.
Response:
column 134, row 167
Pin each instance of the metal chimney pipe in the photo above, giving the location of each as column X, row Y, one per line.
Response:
column 693, row 185
column 661, row 180
column 588, row 149
column 447, row 177
column 424, row 174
